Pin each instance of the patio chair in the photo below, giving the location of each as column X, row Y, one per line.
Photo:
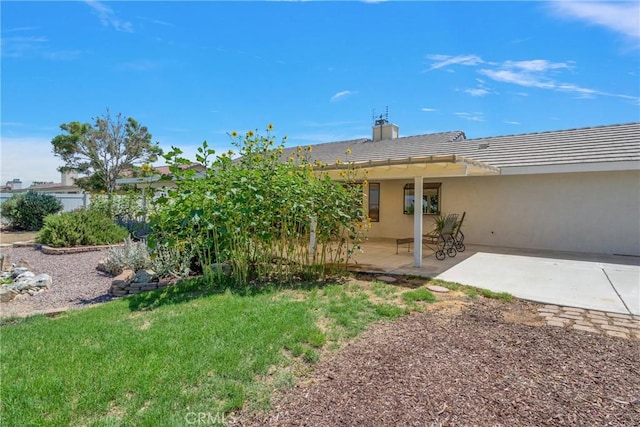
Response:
column 459, row 235
column 443, row 241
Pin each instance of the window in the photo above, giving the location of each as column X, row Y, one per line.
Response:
column 374, row 201
column 430, row 198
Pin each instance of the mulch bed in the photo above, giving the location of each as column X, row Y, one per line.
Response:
column 486, row 364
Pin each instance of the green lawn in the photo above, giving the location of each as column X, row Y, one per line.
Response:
column 166, row 357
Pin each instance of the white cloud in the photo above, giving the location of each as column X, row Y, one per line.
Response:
column 535, row 73
column 511, row 122
column 516, row 77
column 428, row 109
column 477, row 92
column 620, row 17
column 341, row 95
column 20, row 46
column 474, row 117
column 108, row 17
column 155, row 21
column 536, row 65
column 447, row 60
column 29, row 159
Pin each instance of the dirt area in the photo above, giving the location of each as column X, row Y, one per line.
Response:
column 465, row 362
column 16, row 236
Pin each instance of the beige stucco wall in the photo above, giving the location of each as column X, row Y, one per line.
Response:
column 595, row 212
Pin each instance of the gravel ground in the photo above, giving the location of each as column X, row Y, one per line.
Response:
column 471, row 367
column 76, row 282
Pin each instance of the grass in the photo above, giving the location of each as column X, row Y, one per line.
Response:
column 160, row 357
column 473, row 292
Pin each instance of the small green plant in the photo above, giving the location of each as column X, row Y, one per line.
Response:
column 383, row 290
column 420, row 294
column 26, row 211
column 171, row 261
column 505, row 296
column 132, row 255
column 79, row 228
column 473, row 292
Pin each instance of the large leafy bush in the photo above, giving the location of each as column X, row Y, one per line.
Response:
column 256, row 213
column 79, row 228
column 125, row 209
column 26, row 211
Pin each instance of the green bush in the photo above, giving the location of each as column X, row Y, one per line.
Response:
column 26, row 211
column 79, row 228
column 256, row 213
column 132, row 255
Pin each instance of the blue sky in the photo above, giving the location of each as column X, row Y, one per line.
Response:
column 193, row 71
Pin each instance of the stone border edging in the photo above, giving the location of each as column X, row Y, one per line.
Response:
column 122, row 284
column 24, row 244
column 74, row 249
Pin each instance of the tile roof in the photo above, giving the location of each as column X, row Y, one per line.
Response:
column 363, row 150
column 612, row 143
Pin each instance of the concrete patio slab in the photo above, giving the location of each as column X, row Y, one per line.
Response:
column 555, row 281
column 592, row 281
column 626, row 282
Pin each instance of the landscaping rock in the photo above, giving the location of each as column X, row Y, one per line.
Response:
column 25, row 282
column 7, row 294
column 436, row 288
column 17, row 271
column 145, row 276
column 387, row 279
column 126, row 276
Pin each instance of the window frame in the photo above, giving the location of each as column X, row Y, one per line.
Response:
column 426, row 186
column 376, row 217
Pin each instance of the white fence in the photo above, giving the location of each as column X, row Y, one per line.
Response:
column 69, row 201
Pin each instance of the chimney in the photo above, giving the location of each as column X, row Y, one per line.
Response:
column 68, row 178
column 383, row 129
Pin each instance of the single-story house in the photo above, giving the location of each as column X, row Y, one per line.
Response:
column 568, row 190
column 67, row 185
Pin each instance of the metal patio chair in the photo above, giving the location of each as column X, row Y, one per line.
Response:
column 443, row 241
column 459, row 235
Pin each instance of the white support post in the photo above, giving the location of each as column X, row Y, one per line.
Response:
column 417, row 221
column 312, row 237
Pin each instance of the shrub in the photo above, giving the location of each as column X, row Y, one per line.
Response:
column 256, row 214
column 170, row 261
column 125, row 207
column 164, row 261
column 26, row 211
column 79, row 228
column 132, row 255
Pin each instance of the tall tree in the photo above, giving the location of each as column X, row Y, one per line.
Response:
column 104, row 150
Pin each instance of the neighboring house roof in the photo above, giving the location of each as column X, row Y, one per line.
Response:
column 164, row 170
column 56, row 187
column 584, row 149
